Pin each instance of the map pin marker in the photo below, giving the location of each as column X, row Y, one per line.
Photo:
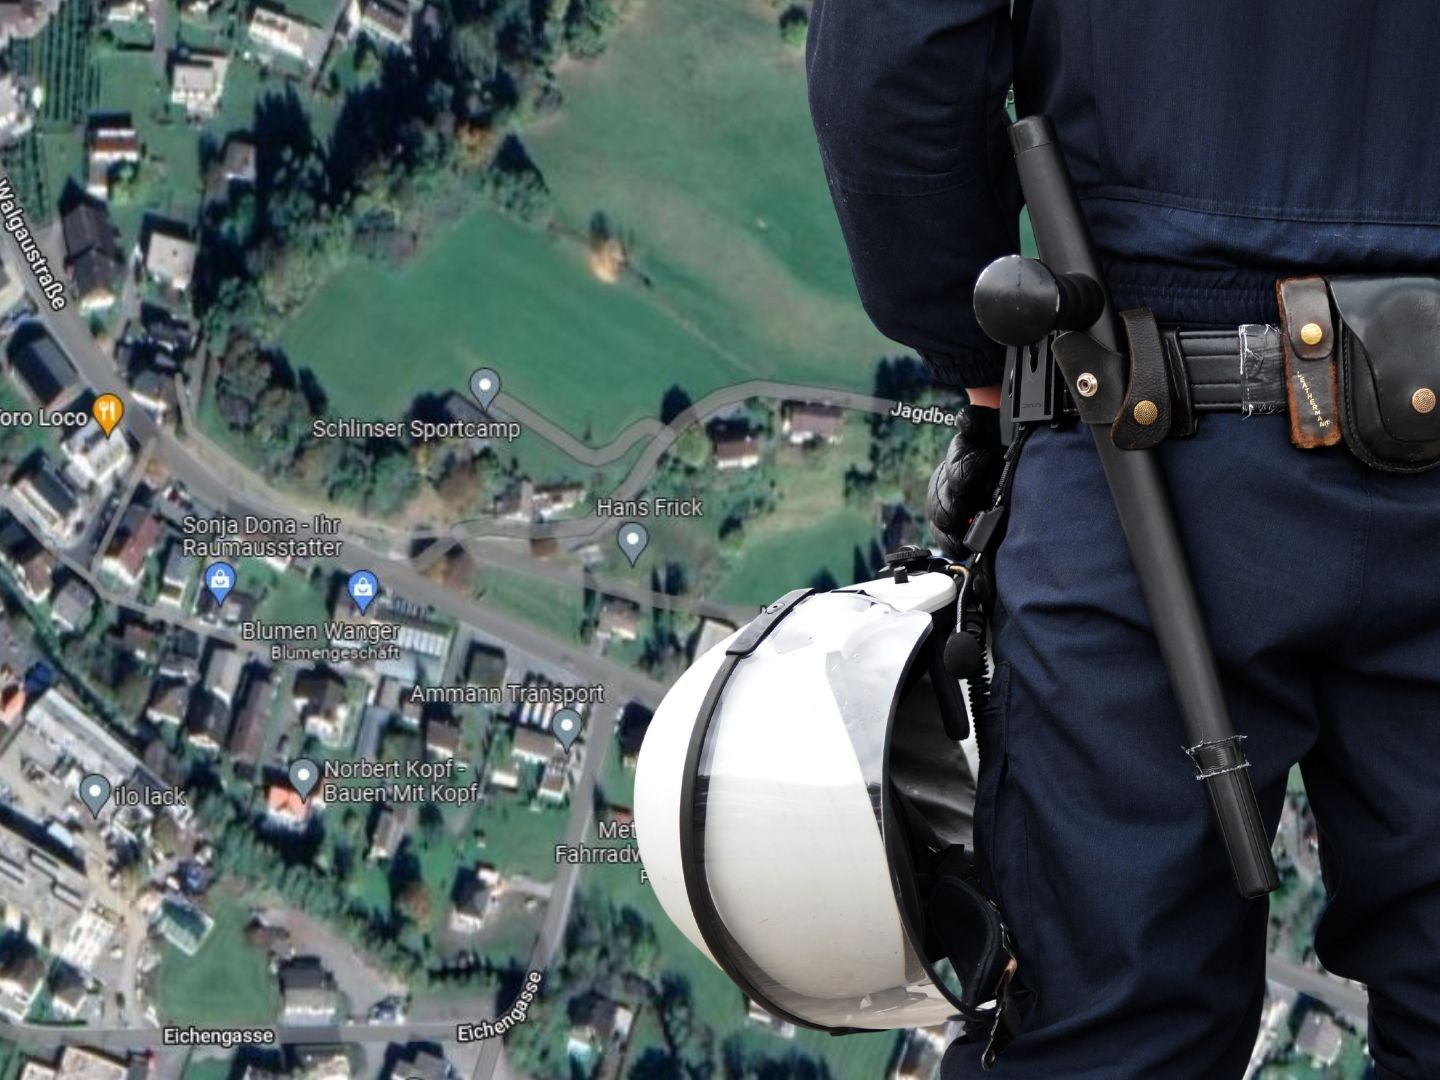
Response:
column 219, row 579
column 304, row 775
column 363, row 587
column 632, row 538
column 485, row 385
column 95, row 793
column 565, row 725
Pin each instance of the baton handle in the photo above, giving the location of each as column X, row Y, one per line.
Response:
column 1143, row 506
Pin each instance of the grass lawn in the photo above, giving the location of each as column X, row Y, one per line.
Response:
column 207, row 1068
column 294, row 599
column 549, row 605
column 692, row 134
column 519, row 840
column 227, row 982
column 768, row 566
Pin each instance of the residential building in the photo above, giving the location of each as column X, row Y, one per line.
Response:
column 92, row 253
column 442, row 737
column 30, row 563
column 223, row 668
column 49, row 499
column 736, row 451
column 44, row 370
column 552, row 499
column 284, row 34
column 78, row 1063
column 125, row 11
column 69, row 991
column 131, row 547
column 182, row 657
column 554, row 782
column 22, row 976
column 252, row 719
column 385, row 21
column 619, row 620
column 532, row 745
column 807, row 425
column 72, row 606
column 170, row 258
column 322, row 700
column 207, row 720
column 387, row 835
column 597, row 1025
column 183, row 924
column 94, row 458
column 13, row 697
column 17, row 112
column 476, row 894
column 284, row 807
column 21, row 20
column 109, row 142
column 238, row 163
column 307, row 992
column 197, row 83
column 169, row 703
column 179, row 573
column 486, row 665
column 1319, row 1038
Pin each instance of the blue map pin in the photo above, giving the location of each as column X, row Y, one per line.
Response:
column 363, row 588
column 219, row 580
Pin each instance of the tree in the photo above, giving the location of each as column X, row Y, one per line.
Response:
column 794, row 21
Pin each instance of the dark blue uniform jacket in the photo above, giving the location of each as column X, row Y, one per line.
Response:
column 1216, row 144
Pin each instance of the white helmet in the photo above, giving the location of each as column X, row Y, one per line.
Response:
column 803, row 809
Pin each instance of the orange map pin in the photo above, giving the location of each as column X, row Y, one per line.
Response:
column 107, row 410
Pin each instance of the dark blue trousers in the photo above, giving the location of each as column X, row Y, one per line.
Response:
column 1320, row 583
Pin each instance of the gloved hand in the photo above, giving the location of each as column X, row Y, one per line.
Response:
column 964, row 482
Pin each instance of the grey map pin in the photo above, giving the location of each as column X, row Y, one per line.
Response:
column 632, row 538
column 485, row 385
column 304, row 775
column 565, row 725
column 95, row 793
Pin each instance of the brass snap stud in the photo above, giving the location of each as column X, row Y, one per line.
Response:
column 1423, row 400
column 1086, row 384
column 1311, row 333
column 1146, row 413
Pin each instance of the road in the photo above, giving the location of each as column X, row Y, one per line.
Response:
column 1344, row 997
column 557, row 912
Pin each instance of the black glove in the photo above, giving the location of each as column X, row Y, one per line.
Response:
column 964, row 483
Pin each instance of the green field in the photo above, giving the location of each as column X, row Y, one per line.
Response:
column 226, row 982
column 691, row 134
column 520, row 840
column 551, row 606
column 771, row 564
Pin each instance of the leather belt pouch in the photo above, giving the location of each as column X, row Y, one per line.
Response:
column 1389, row 361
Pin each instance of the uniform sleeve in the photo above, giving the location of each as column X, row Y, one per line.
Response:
column 908, row 101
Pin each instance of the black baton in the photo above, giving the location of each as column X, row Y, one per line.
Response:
column 1138, row 488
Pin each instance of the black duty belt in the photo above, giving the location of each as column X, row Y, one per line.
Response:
column 1241, row 369
column 1235, row 370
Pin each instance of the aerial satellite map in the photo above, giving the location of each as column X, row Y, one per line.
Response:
column 398, row 395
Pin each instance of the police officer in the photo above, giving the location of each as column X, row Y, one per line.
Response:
column 1217, row 148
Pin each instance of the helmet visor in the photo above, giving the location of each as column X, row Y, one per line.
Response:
column 789, row 806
